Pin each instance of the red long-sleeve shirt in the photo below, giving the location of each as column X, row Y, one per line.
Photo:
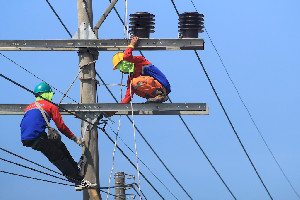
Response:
column 139, row 62
column 33, row 123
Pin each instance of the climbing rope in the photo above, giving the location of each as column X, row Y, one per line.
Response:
column 115, row 144
column 81, row 68
column 135, row 146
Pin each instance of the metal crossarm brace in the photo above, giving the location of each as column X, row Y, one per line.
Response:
column 120, row 109
column 101, row 44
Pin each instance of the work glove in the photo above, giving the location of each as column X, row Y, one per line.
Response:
column 134, row 40
column 109, row 114
column 78, row 140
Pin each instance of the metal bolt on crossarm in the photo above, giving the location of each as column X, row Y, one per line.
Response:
column 142, row 24
column 190, row 24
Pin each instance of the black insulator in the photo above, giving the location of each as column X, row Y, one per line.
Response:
column 190, row 24
column 142, row 24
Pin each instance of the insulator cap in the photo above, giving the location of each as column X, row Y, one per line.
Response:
column 142, row 24
column 190, row 24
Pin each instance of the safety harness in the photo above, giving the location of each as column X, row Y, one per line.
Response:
column 52, row 132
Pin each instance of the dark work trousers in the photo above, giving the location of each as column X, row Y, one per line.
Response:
column 58, row 154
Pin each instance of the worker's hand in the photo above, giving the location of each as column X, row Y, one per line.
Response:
column 134, row 40
column 109, row 114
column 79, row 141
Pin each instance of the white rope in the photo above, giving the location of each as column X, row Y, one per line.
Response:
column 117, row 135
column 135, row 146
column 113, row 160
column 136, row 153
column 80, row 69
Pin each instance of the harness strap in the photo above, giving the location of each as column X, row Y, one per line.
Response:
column 43, row 112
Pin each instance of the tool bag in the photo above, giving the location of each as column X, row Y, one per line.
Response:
column 52, row 132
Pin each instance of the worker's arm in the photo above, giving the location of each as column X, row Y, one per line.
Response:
column 60, row 123
column 128, row 53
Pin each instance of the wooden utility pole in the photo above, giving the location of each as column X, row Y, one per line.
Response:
column 88, row 95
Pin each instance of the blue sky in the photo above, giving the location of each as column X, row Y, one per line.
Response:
column 259, row 44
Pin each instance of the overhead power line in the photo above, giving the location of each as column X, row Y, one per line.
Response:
column 20, row 165
column 29, row 161
column 36, row 76
column 236, row 134
column 248, row 111
column 29, row 177
column 201, row 149
column 213, row 88
column 59, row 18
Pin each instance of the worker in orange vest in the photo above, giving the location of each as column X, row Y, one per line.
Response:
column 145, row 80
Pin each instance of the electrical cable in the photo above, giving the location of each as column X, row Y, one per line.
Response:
column 227, row 115
column 35, row 178
column 36, row 76
column 70, row 178
column 30, row 161
column 248, row 111
column 140, row 133
column 59, row 18
column 201, row 149
column 189, row 130
column 20, row 165
column 139, row 194
column 236, row 134
column 118, row 15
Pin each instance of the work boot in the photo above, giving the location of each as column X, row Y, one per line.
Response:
column 158, row 96
column 158, row 99
column 81, row 165
column 85, row 184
